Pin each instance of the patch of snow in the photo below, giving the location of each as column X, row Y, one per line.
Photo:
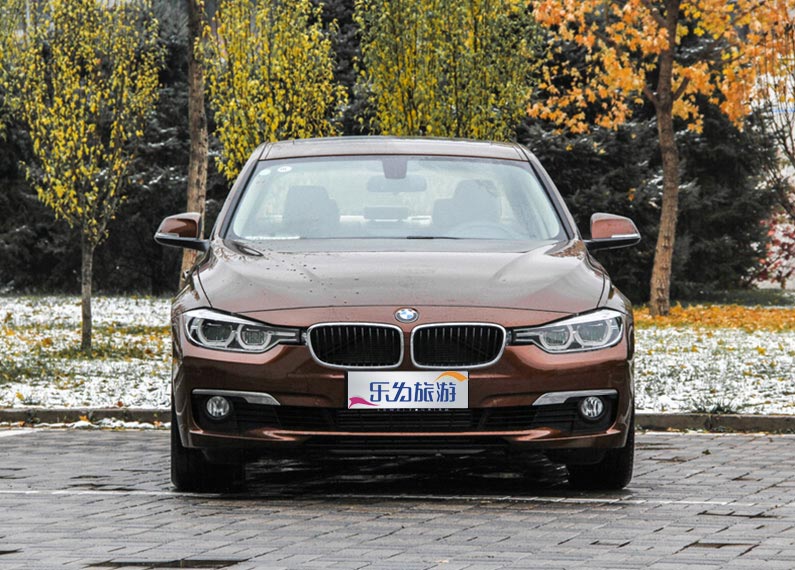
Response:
column 680, row 370
column 39, row 337
column 64, row 311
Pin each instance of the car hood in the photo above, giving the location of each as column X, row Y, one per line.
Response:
column 248, row 277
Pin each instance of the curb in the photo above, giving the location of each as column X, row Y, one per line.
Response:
column 644, row 421
column 33, row 416
column 716, row 422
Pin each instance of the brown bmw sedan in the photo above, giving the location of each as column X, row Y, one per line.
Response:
column 399, row 296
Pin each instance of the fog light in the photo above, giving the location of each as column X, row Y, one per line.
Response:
column 592, row 408
column 218, row 407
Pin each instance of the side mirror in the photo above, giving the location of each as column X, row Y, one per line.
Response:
column 182, row 230
column 610, row 232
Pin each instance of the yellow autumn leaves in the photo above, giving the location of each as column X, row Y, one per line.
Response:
column 82, row 76
column 270, row 76
column 446, row 67
column 737, row 317
column 428, row 67
column 721, row 48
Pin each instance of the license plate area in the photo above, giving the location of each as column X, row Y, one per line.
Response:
column 412, row 390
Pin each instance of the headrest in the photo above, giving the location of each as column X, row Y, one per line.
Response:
column 305, row 194
column 309, row 211
column 477, row 200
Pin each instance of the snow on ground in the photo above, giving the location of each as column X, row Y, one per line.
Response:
column 64, row 311
column 41, row 366
column 715, row 370
column 677, row 369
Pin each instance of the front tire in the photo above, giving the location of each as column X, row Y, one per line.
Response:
column 191, row 472
column 613, row 472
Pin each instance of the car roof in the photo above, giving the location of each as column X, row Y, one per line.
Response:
column 375, row 145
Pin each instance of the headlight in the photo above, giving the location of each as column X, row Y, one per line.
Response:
column 600, row 329
column 226, row 332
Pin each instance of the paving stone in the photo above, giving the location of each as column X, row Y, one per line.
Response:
column 72, row 499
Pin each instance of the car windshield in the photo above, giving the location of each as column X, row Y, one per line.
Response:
column 400, row 197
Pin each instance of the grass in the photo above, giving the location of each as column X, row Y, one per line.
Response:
column 42, row 364
column 11, row 370
column 133, row 330
column 99, row 330
column 109, row 342
column 746, row 297
column 714, row 402
column 103, row 351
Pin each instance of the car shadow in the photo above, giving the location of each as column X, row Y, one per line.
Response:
column 476, row 476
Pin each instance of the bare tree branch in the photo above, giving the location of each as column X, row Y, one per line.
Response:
column 651, row 96
column 681, row 88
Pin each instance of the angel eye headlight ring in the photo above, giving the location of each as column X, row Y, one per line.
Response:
column 221, row 331
column 590, row 331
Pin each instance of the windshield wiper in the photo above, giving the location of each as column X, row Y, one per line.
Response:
column 432, row 237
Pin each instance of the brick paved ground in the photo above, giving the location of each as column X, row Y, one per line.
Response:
column 101, row 500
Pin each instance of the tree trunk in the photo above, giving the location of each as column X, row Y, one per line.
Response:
column 86, row 273
column 660, row 294
column 660, row 301
column 660, row 286
column 197, row 127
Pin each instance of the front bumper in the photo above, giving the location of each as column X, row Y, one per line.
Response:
column 304, row 389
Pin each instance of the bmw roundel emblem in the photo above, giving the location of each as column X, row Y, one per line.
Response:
column 406, row 315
